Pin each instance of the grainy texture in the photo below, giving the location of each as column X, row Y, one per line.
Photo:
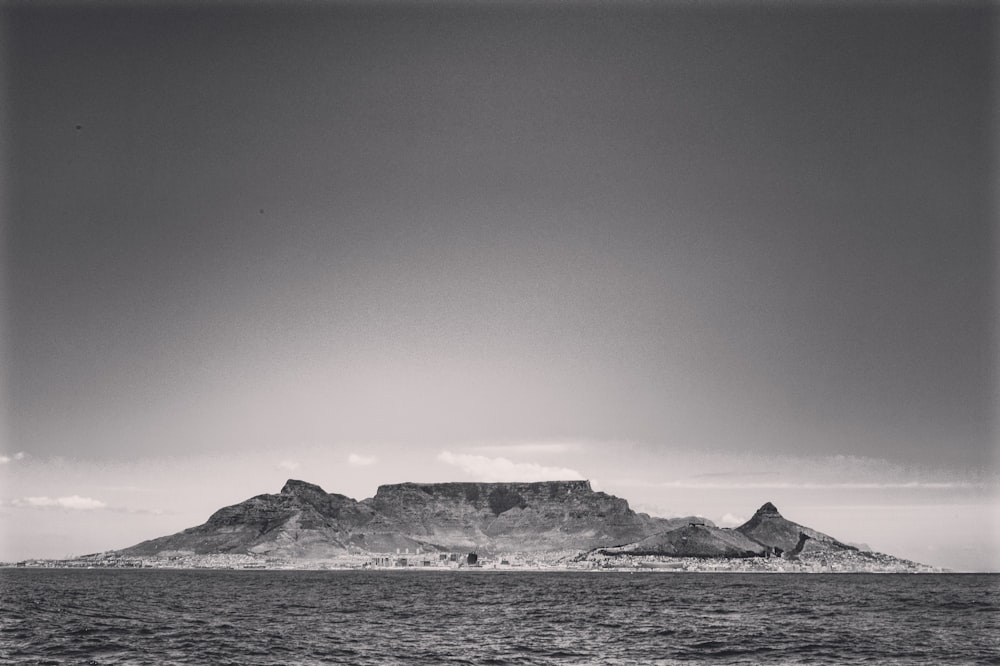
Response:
column 304, row 521
column 272, row 617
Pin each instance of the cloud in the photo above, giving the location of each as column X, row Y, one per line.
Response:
column 529, row 447
column 290, row 465
column 729, row 520
column 77, row 503
column 144, row 512
column 729, row 475
column 781, row 485
column 74, row 502
column 655, row 510
column 486, row 469
column 8, row 459
column 356, row 460
column 848, row 485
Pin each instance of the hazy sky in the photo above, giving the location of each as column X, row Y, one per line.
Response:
column 708, row 255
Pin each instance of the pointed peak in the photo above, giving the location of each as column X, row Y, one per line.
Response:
column 296, row 487
column 767, row 509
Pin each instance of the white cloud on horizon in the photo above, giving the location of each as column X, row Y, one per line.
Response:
column 760, row 471
column 729, row 520
column 127, row 489
column 781, row 485
column 76, row 503
column 848, row 485
column 528, row 447
column 653, row 509
column 9, row 459
column 290, row 465
column 357, row 460
column 73, row 502
column 144, row 512
column 492, row 470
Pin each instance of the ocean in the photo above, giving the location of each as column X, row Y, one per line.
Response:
column 116, row 616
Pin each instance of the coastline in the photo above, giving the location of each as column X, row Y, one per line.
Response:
column 866, row 564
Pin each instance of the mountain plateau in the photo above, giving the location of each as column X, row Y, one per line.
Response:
column 303, row 521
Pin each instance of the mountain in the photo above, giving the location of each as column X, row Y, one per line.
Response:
column 766, row 542
column 767, row 533
column 768, row 527
column 303, row 521
column 551, row 515
column 694, row 540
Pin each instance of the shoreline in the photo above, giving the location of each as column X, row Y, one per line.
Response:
column 716, row 567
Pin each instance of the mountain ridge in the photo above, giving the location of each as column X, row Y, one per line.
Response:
column 768, row 527
column 305, row 521
column 562, row 520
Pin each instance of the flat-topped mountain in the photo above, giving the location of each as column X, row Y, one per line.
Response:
column 304, row 521
column 563, row 518
column 552, row 515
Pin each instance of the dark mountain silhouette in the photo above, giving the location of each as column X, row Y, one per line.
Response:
column 694, row 540
column 304, row 521
column 768, row 527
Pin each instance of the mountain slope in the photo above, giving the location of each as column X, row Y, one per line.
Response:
column 694, row 540
column 768, row 527
column 304, row 521
column 300, row 521
column 553, row 515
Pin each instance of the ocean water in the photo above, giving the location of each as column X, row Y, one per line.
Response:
column 51, row 616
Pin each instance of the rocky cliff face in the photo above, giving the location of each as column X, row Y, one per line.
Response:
column 304, row 521
column 551, row 515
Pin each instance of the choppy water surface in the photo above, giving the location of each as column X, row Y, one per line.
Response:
column 314, row 617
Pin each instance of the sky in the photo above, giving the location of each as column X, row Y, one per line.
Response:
column 706, row 255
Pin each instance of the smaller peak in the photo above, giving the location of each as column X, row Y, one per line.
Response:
column 295, row 487
column 768, row 509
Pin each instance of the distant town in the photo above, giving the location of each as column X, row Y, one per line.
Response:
column 846, row 562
